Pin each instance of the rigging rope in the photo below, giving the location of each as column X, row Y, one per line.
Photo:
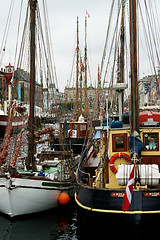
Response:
column 17, row 149
column 4, row 152
column 6, row 31
column 20, row 14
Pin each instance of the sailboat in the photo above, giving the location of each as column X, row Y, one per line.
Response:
column 119, row 173
column 36, row 187
column 75, row 132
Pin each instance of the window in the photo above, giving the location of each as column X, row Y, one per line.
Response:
column 74, row 126
column 82, row 127
column 151, row 141
column 119, row 142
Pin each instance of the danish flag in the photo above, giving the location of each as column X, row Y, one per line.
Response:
column 128, row 193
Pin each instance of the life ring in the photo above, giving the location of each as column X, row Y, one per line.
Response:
column 114, row 157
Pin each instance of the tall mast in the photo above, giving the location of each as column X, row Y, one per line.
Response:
column 118, row 77
column 133, row 58
column 85, row 96
column 31, row 148
column 99, row 91
column 81, row 88
column 122, row 52
column 122, row 45
column 77, row 75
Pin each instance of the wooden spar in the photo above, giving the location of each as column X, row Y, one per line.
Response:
column 81, row 88
column 99, row 92
column 122, row 45
column 77, row 75
column 122, row 52
column 85, row 96
column 134, row 123
column 118, row 77
column 30, row 162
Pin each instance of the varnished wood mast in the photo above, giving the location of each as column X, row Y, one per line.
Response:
column 134, row 124
column 85, row 56
column 77, row 74
column 30, row 162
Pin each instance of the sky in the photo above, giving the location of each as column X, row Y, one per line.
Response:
column 62, row 18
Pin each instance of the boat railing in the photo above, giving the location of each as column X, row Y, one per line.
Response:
column 83, row 177
column 97, row 177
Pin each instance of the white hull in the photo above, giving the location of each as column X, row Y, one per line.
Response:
column 26, row 196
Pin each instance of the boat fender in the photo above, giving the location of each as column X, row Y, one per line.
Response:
column 63, row 198
column 114, row 157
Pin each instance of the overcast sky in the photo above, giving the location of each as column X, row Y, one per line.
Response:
column 62, row 17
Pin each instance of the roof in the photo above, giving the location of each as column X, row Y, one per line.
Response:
column 9, row 65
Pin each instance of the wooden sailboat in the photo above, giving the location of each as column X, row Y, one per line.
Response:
column 105, row 167
column 75, row 133
column 39, row 187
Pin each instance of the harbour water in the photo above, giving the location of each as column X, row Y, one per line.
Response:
column 58, row 223
column 63, row 223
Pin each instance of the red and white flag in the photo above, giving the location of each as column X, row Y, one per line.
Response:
column 128, row 193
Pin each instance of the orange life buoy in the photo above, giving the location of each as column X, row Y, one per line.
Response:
column 114, row 157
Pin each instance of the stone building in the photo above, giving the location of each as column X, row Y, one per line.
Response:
column 22, row 77
column 148, row 90
column 70, row 95
column 51, row 97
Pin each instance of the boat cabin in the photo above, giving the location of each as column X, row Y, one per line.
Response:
column 119, row 156
column 120, row 151
column 75, row 129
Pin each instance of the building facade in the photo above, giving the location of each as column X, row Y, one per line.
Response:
column 22, row 77
column 148, row 90
column 51, row 97
column 70, row 95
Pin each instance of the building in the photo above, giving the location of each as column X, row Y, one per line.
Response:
column 51, row 97
column 3, row 87
column 148, row 90
column 5, row 83
column 22, row 77
column 70, row 95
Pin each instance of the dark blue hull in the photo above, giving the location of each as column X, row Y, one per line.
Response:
column 108, row 202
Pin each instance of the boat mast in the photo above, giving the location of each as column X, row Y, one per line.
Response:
column 31, row 163
column 118, row 77
column 99, row 92
column 122, row 52
column 81, row 87
column 77, row 75
column 85, row 97
column 134, row 124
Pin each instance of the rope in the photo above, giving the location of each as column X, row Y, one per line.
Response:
column 18, row 32
column 17, row 149
column 6, row 31
column 4, row 152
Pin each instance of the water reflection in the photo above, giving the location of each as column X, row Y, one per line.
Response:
column 58, row 223
column 91, row 227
